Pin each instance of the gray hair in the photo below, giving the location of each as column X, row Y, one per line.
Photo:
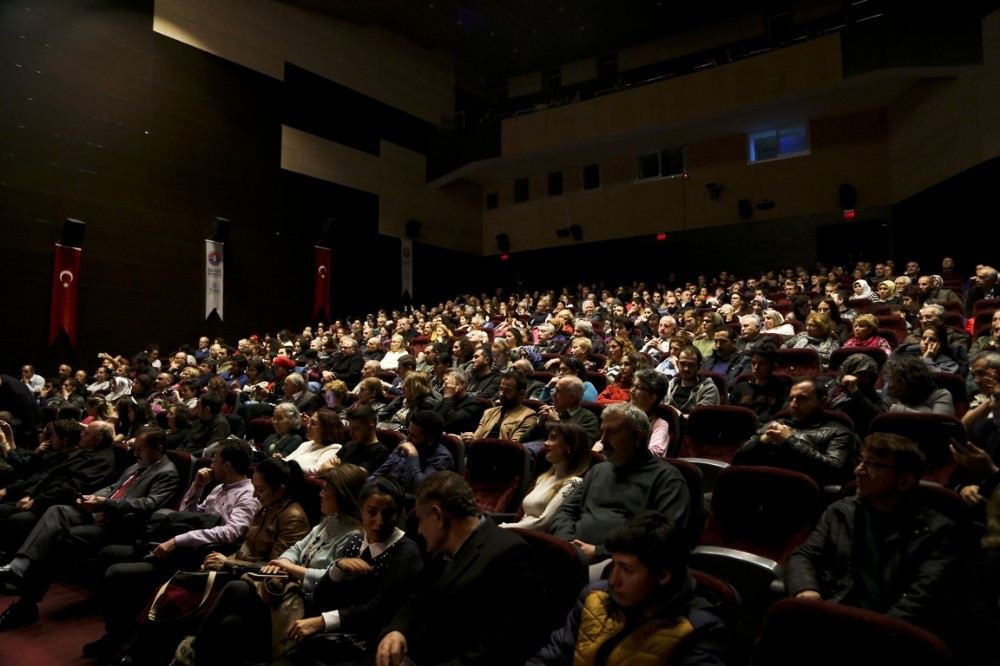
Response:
column 937, row 309
column 584, row 325
column 751, row 318
column 574, row 385
column 292, row 412
column 461, row 375
column 992, row 359
column 635, row 418
column 296, row 379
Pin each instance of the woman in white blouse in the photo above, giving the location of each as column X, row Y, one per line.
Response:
column 326, row 436
column 568, row 450
column 397, row 348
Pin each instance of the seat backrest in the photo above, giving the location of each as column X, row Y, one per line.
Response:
column 766, row 511
column 797, row 362
column 692, row 477
column 955, row 385
column 260, row 429
column 562, row 569
column 831, row 634
column 498, row 471
column 456, row 447
column 891, row 336
column 717, row 431
column 720, row 384
column 674, row 421
column 932, row 432
column 860, row 304
column 184, row 463
column 389, row 438
column 838, row 355
column 985, row 304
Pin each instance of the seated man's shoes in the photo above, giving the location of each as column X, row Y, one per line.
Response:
column 19, row 614
column 103, row 648
column 10, row 581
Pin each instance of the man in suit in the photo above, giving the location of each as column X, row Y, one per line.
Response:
column 299, row 395
column 349, row 362
column 475, row 565
column 511, row 419
column 113, row 514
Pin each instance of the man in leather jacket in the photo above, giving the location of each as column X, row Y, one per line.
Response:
column 807, row 441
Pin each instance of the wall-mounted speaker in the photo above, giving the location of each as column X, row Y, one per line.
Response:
column 72, row 233
column 745, row 209
column 847, row 195
column 503, row 242
column 220, row 230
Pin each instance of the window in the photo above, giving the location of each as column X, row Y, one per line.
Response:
column 776, row 143
column 667, row 162
column 522, row 191
column 492, row 200
column 555, row 183
column 591, row 177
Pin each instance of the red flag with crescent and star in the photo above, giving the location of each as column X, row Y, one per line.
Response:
column 321, row 300
column 65, row 277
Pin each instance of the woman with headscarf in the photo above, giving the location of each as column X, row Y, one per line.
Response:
column 863, row 290
column 887, row 292
column 774, row 323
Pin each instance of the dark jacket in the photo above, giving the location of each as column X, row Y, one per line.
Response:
column 152, row 489
column 823, row 449
column 369, row 456
column 460, row 414
column 494, row 572
column 914, row 561
column 81, row 472
column 203, row 433
column 487, row 386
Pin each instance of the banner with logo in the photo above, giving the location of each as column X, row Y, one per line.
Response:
column 406, row 272
column 65, row 275
column 214, row 269
column 321, row 293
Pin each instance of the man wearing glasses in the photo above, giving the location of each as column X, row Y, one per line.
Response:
column 881, row 550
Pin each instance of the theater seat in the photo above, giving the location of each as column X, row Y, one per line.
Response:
column 797, row 362
column 184, row 463
column 562, row 569
column 761, row 510
column 838, row 356
column 716, row 432
column 499, row 472
column 955, row 385
column 456, row 447
column 819, row 633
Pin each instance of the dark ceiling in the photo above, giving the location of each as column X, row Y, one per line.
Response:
column 499, row 38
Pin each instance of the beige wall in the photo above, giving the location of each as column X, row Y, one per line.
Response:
column 845, row 149
column 263, row 34
column 795, row 70
column 451, row 216
column 944, row 127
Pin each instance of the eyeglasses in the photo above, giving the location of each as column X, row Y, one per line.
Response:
column 868, row 463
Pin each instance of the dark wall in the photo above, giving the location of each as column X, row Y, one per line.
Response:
column 147, row 140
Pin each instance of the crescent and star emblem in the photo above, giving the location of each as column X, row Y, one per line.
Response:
column 66, row 278
column 322, row 271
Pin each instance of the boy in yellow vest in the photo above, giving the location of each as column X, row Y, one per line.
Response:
column 646, row 613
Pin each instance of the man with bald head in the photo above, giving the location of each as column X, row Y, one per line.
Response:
column 567, row 397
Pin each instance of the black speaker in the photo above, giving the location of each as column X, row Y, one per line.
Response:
column 413, row 229
column 220, row 230
column 746, row 210
column 503, row 242
column 576, row 231
column 72, row 233
column 848, row 196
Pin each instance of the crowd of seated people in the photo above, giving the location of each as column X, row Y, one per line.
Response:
column 280, row 429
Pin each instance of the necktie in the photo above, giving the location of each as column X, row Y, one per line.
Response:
column 122, row 489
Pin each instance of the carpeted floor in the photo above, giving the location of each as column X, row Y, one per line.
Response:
column 68, row 618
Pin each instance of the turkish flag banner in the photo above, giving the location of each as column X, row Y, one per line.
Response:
column 321, row 300
column 65, row 276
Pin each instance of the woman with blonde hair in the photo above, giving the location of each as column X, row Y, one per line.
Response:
column 397, row 348
column 866, row 334
column 819, row 335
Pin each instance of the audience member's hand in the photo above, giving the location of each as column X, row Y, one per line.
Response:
column 409, row 449
column 91, row 502
column 354, row 565
column 276, row 566
column 203, row 476
column 971, row 495
column 467, row 437
column 588, row 549
column 810, row 595
column 3, row 493
column 391, row 650
column 933, row 347
column 776, row 433
column 165, row 548
column 546, row 412
column 327, row 465
column 25, row 503
column 850, row 383
column 306, row 627
column 214, row 562
column 973, row 459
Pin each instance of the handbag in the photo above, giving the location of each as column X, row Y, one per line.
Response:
column 182, row 597
column 284, row 596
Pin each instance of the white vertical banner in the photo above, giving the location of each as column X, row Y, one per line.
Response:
column 406, row 267
column 214, row 270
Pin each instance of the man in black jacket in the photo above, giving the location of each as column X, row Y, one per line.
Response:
column 460, row 411
column 881, row 549
column 89, row 467
column 807, row 442
column 477, row 567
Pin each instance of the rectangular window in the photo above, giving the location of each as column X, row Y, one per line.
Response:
column 555, row 183
column 776, row 143
column 522, row 191
column 667, row 162
column 591, row 177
